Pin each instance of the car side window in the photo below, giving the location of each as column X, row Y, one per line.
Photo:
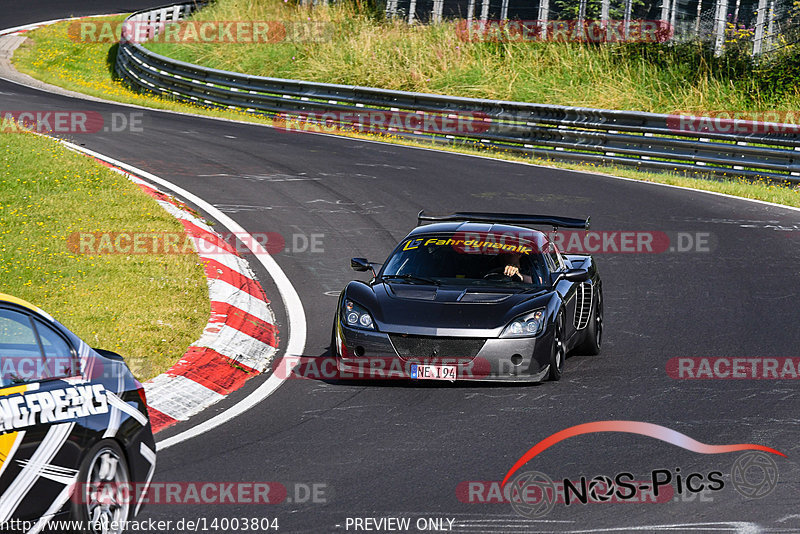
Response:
column 20, row 354
column 555, row 257
column 58, row 355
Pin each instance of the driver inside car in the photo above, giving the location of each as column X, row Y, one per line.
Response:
column 520, row 266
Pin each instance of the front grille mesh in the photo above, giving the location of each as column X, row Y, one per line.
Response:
column 583, row 305
column 426, row 348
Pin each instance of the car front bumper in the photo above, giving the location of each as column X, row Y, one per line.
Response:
column 370, row 354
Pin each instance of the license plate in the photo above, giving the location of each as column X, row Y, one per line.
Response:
column 433, row 372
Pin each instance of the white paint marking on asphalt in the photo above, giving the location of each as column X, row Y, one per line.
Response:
column 291, row 300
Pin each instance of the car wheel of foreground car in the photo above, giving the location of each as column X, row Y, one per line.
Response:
column 594, row 331
column 559, row 352
column 102, row 498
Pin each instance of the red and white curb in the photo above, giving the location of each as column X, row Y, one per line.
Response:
column 240, row 339
column 296, row 325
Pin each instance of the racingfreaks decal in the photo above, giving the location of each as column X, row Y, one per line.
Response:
column 54, row 406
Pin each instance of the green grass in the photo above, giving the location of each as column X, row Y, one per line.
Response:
column 50, row 55
column 147, row 307
column 361, row 50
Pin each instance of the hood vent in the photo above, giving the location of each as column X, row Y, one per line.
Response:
column 469, row 296
column 412, row 292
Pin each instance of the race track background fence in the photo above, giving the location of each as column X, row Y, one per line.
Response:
column 648, row 141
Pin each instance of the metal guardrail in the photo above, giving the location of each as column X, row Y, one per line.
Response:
column 647, row 141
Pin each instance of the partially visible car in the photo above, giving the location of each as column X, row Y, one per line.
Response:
column 479, row 296
column 75, row 436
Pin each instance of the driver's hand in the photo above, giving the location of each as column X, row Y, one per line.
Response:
column 512, row 270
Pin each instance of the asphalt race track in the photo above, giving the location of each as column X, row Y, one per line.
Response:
column 400, row 449
column 17, row 13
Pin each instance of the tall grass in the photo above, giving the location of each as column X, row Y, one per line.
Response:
column 364, row 50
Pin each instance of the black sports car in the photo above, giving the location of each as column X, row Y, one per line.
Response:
column 75, row 437
column 472, row 296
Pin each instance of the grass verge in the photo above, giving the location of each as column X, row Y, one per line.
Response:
column 147, row 307
column 52, row 56
column 347, row 44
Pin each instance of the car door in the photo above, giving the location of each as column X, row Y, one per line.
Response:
column 42, row 434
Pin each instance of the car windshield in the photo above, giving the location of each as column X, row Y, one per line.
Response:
column 453, row 259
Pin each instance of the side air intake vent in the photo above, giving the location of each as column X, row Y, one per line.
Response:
column 583, row 306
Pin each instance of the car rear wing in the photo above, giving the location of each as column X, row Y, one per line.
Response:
column 505, row 218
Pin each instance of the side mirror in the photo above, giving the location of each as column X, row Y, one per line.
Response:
column 576, row 275
column 360, row 265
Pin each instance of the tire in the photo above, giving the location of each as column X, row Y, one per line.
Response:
column 104, row 465
column 558, row 353
column 593, row 337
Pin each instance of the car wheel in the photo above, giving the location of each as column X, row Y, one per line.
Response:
column 593, row 337
column 102, row 499
column 559, row 351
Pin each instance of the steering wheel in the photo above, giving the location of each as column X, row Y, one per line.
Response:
column 498, row 273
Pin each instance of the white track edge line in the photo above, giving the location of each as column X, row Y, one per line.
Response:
column 291, row 301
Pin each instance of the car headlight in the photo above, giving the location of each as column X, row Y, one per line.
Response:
column 356, row 316
column 528, row 325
